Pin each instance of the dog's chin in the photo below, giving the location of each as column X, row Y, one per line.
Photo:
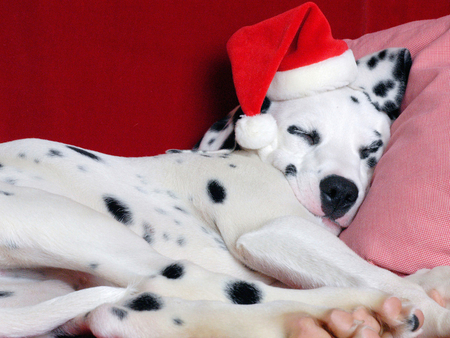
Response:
column 334, row 227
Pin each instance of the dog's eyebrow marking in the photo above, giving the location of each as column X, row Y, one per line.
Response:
column 4, row 294
column 173, row 271
column 364, row 152
column 244, row 293
column 118, row 210
column 85, row 153
column 291, row 170
column 119, row 313
column 312, row 137
column 216, row 191
column 146, row 302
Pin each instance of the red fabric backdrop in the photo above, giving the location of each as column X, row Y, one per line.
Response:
column 135, row 78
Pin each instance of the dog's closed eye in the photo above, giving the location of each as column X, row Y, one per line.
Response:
column 312, row 137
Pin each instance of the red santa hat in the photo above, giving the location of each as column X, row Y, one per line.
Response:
column 286, row 57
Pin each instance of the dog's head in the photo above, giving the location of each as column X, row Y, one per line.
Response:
column 329, row 143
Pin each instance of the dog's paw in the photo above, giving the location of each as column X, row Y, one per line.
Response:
column 435, row 282
column 392, row 319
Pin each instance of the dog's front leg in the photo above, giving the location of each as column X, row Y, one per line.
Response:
column 302, row 254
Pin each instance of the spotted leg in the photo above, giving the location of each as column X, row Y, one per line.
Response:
column 148, row 315
column 112, row 252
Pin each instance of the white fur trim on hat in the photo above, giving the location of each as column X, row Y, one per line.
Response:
column 256, row 132
column 332, row 73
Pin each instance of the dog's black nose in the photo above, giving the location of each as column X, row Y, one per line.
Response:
column 337, row 195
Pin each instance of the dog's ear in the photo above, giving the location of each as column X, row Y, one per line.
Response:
column 221, row 134
column 383, row 77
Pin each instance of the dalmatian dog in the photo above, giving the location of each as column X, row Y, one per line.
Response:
column 212, row 243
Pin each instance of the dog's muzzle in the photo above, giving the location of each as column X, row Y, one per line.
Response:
column 337, row 195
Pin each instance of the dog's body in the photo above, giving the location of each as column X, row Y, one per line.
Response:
column 184, row 229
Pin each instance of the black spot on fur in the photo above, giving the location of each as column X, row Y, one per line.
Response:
column 181, row 209
column 119, row 313
column 161, row 211
column 173, row 271
column 146, row 302
column 173, row 151
column 291, row 170
column 216, row 191
column 4, row 294
column 211, row 141
column 178, row 321
column 85, row 153
column 22, row 155
column 243, row 293
column 354, row 99
column 372, row 162
column 382, row 54
column 118, row 210
column 55, row 153
column 391, row 109
column 383, row 87
column 232, row 165
column 265, row 106
column 93, row 266
column 149, row 233
column 181, row 241
column 6, row 193
column 372, row 63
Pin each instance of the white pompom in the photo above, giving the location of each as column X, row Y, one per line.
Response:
column 256, row 132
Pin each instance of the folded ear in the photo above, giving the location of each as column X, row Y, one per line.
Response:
column 383, row 77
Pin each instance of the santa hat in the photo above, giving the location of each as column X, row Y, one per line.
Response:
column 286, row 57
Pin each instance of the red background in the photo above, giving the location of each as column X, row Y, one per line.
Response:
column 135, row 78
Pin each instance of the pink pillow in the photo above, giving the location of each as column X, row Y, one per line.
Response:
column 404, row 223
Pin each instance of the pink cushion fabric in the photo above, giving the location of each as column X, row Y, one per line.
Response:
column 404, row 223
